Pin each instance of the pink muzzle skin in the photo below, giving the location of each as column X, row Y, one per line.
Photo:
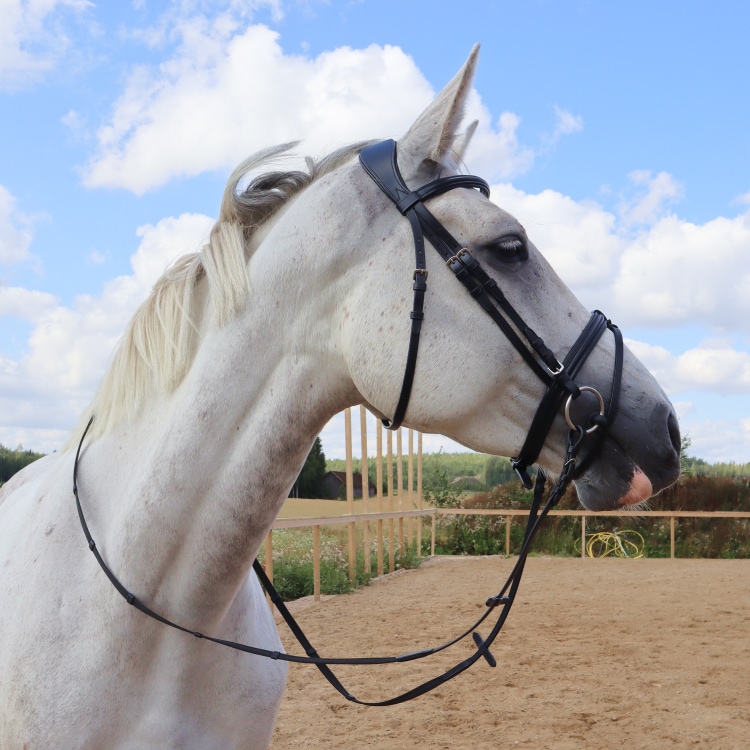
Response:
column 640, row 489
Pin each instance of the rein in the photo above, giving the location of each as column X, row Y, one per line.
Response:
column 380, row 163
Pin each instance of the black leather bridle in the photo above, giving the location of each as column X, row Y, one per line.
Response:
column 379, row 161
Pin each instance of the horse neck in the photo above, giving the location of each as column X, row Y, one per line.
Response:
column 183, row 496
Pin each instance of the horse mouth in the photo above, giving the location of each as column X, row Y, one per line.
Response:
column 616, row 481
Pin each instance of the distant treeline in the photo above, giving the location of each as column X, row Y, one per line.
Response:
column 478, row 472
column 699, row 467
column 13, row 461
column 474, row 472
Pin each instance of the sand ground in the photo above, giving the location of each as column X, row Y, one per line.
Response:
column 595, row 654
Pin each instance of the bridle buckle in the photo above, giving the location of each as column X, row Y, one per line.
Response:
column 457, row 257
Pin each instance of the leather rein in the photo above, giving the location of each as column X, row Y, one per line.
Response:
column 379, row 161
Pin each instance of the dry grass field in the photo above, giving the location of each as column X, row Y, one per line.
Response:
column 301, row 508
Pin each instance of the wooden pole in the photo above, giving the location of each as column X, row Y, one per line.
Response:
column 507, row 535
column 268, row 567
column 400, row 488
column 379, row 489
column 432, row 535
column 350, row 493
column 671, row 537
column 391, row 530
column 316, row 563
column 583, row 536
column 410, row 485
column 365, row 486
column 269, row 556
column 419, row 494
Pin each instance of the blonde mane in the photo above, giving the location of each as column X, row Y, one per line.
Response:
column 162, row 338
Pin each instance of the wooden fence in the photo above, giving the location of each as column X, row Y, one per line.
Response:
column 402, row 505
column 509, row 514
column 584, row 514
column 400, row 502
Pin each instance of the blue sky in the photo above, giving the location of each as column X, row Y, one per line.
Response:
column 619, row 134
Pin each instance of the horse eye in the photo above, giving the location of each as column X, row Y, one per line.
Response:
column 510, row 249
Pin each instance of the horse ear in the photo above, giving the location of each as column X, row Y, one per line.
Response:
column 462, row 143
column 431, row 137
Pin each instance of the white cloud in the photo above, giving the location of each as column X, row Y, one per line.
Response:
column 45, row 390
column 713, row 366
column 32, row 38
column 652, row 194
column 680, row 272
column 97, row 258
column 720, row 440
column 25, row 304
column 672, row 273
column 225, row 95
column 15, row 230
column 566, row 123
column 230, row 90
column 495, row 151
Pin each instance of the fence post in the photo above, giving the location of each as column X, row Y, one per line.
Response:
column 400, row 481
column 316, row 563
column 671, row 537
column 419, row 495
column 350, row 491
column 507, row 535
column 379, row 486
column 365, row 486
column 391, row 528
column 268, row 567
column 583, row 537
column 410, row 484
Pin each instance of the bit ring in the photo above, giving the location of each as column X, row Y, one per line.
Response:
column 570, row 400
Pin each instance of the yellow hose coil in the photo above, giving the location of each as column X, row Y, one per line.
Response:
column 627, row 543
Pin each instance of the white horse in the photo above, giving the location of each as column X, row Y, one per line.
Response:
column 297, row 307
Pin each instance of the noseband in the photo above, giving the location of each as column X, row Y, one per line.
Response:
column 379, row 161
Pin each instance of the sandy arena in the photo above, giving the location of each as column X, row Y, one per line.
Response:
column 595, row 654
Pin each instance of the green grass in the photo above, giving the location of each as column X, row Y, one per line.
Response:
column 293, row 560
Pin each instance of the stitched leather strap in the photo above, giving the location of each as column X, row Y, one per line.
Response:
column 560, row 388
column 379, row 161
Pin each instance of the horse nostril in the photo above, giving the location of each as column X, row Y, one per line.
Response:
column 674, row 432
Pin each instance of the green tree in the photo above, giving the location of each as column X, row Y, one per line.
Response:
column 497, row 470
column 309, row 483
column 13, row 461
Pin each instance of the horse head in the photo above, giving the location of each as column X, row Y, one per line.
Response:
column 469, row 382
